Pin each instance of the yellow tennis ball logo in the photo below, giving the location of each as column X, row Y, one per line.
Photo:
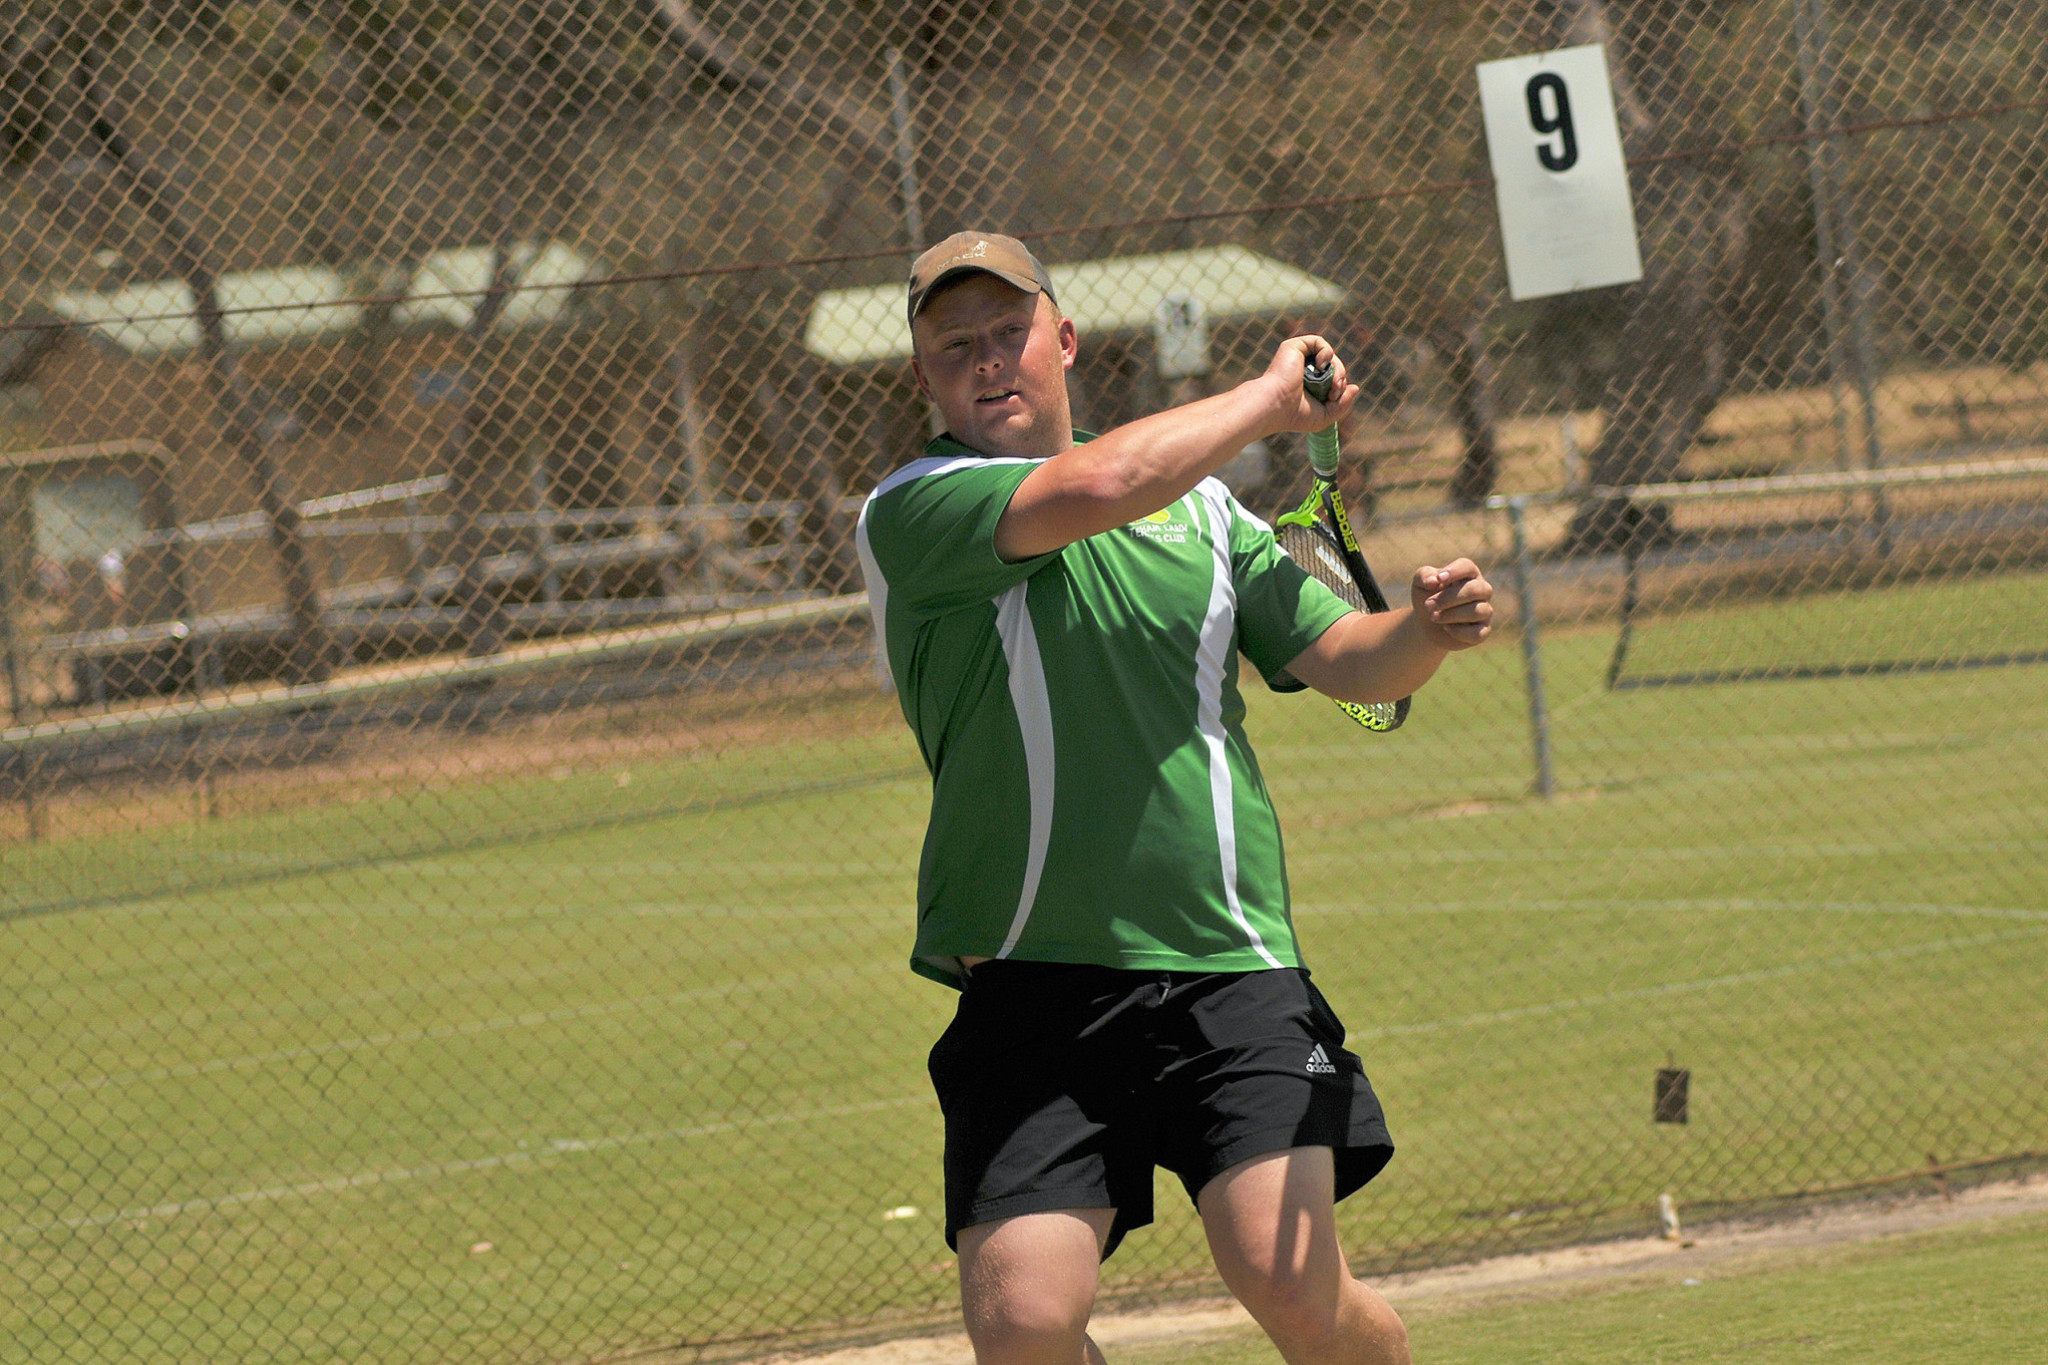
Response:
column 1159, row 518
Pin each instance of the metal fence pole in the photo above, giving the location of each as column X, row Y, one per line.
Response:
column 19, row 703
column 1835, row 223
column 907, row 188
column 1821, row 187
column 906, row 151
column 1532, row 650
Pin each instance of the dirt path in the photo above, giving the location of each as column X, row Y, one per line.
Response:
column 1718, row 1244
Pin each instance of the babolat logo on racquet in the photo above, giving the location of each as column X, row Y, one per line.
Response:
column 1335, row 506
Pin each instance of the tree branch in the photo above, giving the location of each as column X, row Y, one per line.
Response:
column 856, row 136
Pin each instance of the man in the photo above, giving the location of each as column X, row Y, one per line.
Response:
column 1102, row 874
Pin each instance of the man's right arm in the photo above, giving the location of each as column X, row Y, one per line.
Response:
column 1148, row 464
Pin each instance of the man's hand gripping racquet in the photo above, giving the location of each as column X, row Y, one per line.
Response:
column 1317, row 535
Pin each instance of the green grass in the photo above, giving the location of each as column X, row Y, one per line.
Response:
column 657, row 1046
column 1945, row 621
column 1963, row 1296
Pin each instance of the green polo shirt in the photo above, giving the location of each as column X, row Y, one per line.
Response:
column 1094, row 796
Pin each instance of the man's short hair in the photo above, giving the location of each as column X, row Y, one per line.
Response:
column 990, row 253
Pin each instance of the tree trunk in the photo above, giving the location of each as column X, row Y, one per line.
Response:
column 1463, row 348
column 312, row 654
column 965, row 179
column 1671, row 343
column 832, row 566
column 480, row 629
column 855, row 137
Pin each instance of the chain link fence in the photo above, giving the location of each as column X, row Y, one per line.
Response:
column 456, row 857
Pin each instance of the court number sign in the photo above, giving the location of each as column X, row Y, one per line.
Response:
column 1180, row 334
column 1567, row 221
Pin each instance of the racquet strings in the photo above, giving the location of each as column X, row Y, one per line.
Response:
column 1314, row 548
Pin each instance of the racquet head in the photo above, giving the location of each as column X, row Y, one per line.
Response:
column 1316, row 548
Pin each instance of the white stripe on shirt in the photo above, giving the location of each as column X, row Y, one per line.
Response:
column 1219, row 637
column 1033, row 703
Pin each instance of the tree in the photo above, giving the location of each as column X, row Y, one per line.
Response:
column 83, row 41
column 1672, row 345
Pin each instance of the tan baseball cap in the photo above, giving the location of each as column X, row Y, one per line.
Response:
column 1006, row 258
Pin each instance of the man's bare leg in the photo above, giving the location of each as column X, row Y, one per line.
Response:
column 1272, row 1226
column 1027, row 1286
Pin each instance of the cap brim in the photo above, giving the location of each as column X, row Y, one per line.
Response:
column 1026, row 283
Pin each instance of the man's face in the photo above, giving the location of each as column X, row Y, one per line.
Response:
column 995, row 360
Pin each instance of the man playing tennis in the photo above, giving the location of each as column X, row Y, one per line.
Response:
column 1102, row 874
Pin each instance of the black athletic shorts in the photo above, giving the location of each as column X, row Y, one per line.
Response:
column 1063, row 1086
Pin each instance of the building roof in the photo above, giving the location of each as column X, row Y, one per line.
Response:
column 57, row 457
column 307, row 303
column 1118, row 293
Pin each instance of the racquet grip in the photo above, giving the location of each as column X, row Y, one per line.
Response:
column 1322, row 452
column 1316, row 382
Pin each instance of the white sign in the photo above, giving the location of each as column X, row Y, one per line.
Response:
column 1180, row 335
column 1566, row 219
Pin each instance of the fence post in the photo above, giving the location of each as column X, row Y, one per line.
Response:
column 1532, row 651
column 1835, row 228
column 32, row 795
column 20, row 704
column 906, row 152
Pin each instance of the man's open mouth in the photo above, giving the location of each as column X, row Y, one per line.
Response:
column 998, row 396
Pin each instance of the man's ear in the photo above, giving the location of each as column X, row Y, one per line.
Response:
column 1070, row 343
column 917, row 373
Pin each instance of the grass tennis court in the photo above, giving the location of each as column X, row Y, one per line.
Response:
column 1961, row 1295
column 1954, row 623
column 669, row 1065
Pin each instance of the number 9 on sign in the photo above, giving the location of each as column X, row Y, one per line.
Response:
column 1556, row 120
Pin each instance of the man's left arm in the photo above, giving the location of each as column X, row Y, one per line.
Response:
column 1389, row 655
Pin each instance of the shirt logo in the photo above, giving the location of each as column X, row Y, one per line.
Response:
column 1160, row 526
column 1319, row 1063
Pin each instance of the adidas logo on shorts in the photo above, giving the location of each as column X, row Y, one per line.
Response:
column 1319, row 1063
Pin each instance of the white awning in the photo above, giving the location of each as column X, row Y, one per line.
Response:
column 278, row 307
column 1120, row 293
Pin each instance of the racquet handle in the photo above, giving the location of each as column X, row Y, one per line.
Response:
column 1316, row 382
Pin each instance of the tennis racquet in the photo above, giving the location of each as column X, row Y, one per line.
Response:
column 1317, row 536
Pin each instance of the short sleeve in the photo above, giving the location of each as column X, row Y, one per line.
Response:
column 929, row 532
column 1281, row 608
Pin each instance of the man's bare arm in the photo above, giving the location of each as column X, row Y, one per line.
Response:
column 1385, row 657
column 1144, row 466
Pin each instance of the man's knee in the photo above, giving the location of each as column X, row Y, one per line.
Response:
column 1027, row 1325
column 1027, row 1286
column 1015, row 1315
column 1294, row 1310
column 1386, row 1335
column 1027, row 1337
column 1315, row 1321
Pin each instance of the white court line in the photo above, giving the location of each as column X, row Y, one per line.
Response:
column 1717, row 903
column 1700, row 984
column 866, row 914
column 443, row 1031
column 556, row 1147
column 1650, row 855
column 364, row 955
